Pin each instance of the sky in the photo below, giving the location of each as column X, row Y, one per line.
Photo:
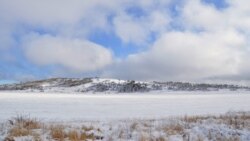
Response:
column 162, row 40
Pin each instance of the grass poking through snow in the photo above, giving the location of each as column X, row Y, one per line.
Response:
column 233, row 126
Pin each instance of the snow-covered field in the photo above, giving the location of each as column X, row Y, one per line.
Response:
column 232, row 126
column 115, row 106
column 124, row 117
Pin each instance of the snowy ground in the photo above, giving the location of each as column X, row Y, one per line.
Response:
column 126, row 106
column 233, row 126
column 134, row 117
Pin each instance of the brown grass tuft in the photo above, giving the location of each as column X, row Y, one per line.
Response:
column 87, row 128
column 57, row 132
column 73, row 135
column 18, row 131
column 173, row 129
column 22, row 126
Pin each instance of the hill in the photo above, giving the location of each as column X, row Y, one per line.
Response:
column 92, row 85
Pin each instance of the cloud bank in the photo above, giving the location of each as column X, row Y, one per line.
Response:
column 190, row 40
column 212, row 44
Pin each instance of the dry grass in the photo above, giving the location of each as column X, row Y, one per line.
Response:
column 236, row 121
column 85, row 136
column 87, row 128
column 144, row 137
column 134, row 126
column 26, row 122
column 141, row 130
column 160, row 139
column 73, row 135
column 23, row 126
column 193, row 119
column 36, row 137
column 173, row 129
column 239, row 121
column 9, row 139
column 19, row 131
column 57, row 132
column 147, row 137
column 228, row 139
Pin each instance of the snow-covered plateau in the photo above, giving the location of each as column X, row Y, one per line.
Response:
column 170, row 116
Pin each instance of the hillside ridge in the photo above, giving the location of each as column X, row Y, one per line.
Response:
column 85, row 85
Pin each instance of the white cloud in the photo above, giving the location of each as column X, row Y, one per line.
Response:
column 212, row 43
column 201, row 41
column 130, row 30
column 49, row 12
column 138, row 30
column 186, row 56
column 73, row 54
column 197, row 15
column 77, row 18
column 80, row 18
